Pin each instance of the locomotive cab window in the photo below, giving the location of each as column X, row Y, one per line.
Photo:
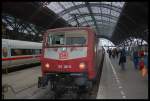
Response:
column 77, row 37
column 75, row 41
column 58, row 39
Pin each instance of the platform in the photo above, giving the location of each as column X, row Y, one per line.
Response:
column 21, row 83
column 118, row 84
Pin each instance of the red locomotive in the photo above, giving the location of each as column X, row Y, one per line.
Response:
column 70, row 57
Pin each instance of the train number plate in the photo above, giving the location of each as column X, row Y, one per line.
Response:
column 63, row 55
column 64, row 66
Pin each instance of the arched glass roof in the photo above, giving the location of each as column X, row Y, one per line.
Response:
column 131, row 41
column 105, row 42
column 12, row 23
column 102, row 16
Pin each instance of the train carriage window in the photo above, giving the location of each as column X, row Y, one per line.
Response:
column 18, row 52
column 4, row 52
column 34, row 51
column 37, row 51
column 26, row 52
column 31, row 52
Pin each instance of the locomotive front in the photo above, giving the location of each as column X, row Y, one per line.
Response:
column 66, row 56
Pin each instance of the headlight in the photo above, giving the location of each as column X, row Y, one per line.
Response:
column 82, row 65
column 47, row 65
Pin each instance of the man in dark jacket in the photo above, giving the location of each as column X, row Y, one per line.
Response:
column 110, row 53
column 122, row 59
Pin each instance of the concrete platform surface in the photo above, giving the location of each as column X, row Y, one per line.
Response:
column 20, row 80
column 118, row 84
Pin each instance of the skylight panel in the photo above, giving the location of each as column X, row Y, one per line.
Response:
column 74, row 12
column 67, row 4
column 66, row 17
column 108, row 3
column 32, row 33
column 96, row 9
column 73, row 23
column 99, row 22
column 81, row 20
column 3, row 20
column 88, row 18
column 91, row 23
column 94, row 2
column 98, row 17
column 118, row 4
column 105, row 18
column 114, row 21
column 114, row 13
column 25, row 31
column 9, row 27
column 84, row 24
column 105, row 10
column 54, row 6
column 84, row 10
column 29, row 29
column 78, row 3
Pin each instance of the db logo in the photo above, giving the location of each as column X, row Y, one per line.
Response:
column 63, row 55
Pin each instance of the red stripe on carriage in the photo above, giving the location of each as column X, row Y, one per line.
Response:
column 18, row 58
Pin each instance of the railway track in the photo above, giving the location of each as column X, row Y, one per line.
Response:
column 77, row 94
column 46, row 93
column 84, row 94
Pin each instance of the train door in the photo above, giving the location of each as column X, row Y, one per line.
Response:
column 96, row 54
column 5, row 54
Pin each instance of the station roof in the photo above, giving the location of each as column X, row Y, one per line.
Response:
column 101, row 16
column 112, row 20
column 133, row 22
column 34, row 13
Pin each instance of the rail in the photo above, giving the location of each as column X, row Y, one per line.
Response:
column 5, row 89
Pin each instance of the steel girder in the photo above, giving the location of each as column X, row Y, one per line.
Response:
column 93, row 18
column 19, row 25
column 95, row 14
column 115, row 8
column 103, row 25
column 98, row 21
column 79, row 12
column 103, row 36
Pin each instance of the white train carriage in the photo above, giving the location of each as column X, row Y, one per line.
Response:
column 16, row 52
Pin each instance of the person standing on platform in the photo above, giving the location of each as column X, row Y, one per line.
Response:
column 117, row 53
column 122, row 59
column 145, row 69
column 143, row 63
column 135, row 59
column 110, row 52
column 113, row 53
column 146, row 57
